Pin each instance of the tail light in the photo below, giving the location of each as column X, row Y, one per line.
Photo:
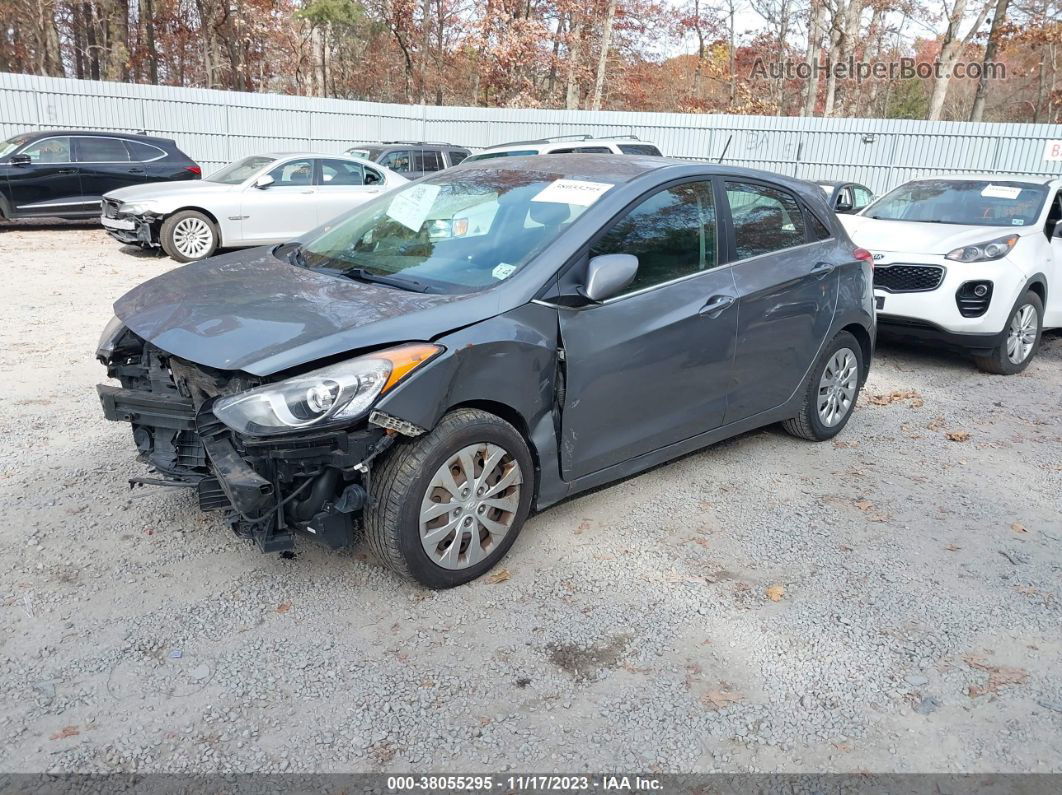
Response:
column 864, row 255
column 195, row 170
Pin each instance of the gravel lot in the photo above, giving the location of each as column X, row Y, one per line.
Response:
column 887, row 602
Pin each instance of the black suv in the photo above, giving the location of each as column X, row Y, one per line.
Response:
column 411, row 159
column 63, row 173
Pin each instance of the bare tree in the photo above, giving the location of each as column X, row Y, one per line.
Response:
column 951, row 46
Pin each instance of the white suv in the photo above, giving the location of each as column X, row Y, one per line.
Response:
column 968, row 262
column 567, row 144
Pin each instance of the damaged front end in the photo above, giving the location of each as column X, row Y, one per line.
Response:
column 137, row 229
column 271, row 484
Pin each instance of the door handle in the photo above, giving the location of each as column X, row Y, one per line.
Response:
column 136, row 171
column 823, row 268
column 305, row 191
column 716, row 305
column 67, row 171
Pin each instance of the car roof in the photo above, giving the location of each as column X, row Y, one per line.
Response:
column 407, row 145
column 625, row 168
column 100, row 133
column 1035, row 179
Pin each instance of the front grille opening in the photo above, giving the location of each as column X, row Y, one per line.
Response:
column 973, row 298
column 908, row 278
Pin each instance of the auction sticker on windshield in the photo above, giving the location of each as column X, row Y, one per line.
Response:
column 1000, row 192
column 411, row 207
column 572, row 191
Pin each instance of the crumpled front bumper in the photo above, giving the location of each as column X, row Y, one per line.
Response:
column 270, row 489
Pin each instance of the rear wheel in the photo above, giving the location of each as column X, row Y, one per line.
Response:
column 831, row 391
column 188, row 235
column 448, row 505
column 1021, row 338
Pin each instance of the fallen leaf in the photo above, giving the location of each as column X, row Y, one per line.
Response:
column 775, row 592
column 998, row 676
column 958, row 436
column 583, row 525
column 66, row 731
column 1018, row 527
column 501, row 575
column 719, row 699
column 283, row 607
column 863, row 504
column 895, row 397
column 952, row 548
column 935, row 424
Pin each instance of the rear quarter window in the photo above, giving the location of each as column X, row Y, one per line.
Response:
column 640, row 149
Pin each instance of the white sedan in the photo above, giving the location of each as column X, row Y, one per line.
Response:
column 255, row 201
column 973, row 263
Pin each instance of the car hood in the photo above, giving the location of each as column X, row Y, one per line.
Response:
column 164, row 190
column 253, row 312
column 916, row 237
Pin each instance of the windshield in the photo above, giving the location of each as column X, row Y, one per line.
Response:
column 11, row 144
column 241, row 170
column 492, row 155
column 456, row 232
column 972, row 202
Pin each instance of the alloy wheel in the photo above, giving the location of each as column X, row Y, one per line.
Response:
column 1022, row 334
column 470, row 505
column 192, row 237
column 837, row 387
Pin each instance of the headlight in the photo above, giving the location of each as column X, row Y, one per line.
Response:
column 329, row 396
column 138, row 208
column 112, row 332
column 984, row 252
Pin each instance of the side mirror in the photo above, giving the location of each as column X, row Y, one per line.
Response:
column 844, row 207
column 20, row 160
column 264, row 182
column 607, row 275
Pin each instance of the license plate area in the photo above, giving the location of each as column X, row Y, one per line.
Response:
column 117, row 223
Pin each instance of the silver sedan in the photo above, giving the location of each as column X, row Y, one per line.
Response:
column 259, row 200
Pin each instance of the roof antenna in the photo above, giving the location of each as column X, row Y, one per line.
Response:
column 721, row 156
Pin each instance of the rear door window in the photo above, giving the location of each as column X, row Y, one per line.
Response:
column 766, row 219
column 90, row 149
column 341, row 172
column 428, row 161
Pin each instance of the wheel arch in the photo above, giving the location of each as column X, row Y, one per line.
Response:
column 866, row 345
column 1038, row 284
column 212, row 216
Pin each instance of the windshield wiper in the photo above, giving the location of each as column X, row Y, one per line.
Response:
column 365, row 275
column 295, row 257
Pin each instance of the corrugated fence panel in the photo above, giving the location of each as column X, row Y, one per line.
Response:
column 216, row 127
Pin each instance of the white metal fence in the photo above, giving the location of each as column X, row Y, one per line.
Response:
column 215, row 127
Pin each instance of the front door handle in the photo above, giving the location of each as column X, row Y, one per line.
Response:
column 67, row 171
column 136, row 171
column 823, row 268
column 306, row 191
column 716, row 305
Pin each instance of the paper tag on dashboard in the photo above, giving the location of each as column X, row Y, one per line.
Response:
column 572, row 191
column 1000, row 192
column 503, row 270
column 411, row 207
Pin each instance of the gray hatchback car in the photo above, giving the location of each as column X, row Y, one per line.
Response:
column 437, row 363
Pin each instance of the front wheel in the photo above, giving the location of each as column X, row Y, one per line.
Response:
column 448, row 505
column 1021, row 338
column 831, row 391
column 188, row 235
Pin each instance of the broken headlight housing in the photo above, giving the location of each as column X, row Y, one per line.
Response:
column 333, row 395
column 112, row 333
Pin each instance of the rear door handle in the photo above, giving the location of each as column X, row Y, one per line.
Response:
column 136, row 171
column 823, row 268
column 67, row 171
column 716, row 305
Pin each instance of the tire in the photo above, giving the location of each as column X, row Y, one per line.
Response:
column 1020, row 324
column 408, row 482
column 189, row 235
column 817, row 420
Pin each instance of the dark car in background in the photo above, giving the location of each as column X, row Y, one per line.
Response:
column 846, row 197
column 604, row 314
column 411, row 159
column 64, row 173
